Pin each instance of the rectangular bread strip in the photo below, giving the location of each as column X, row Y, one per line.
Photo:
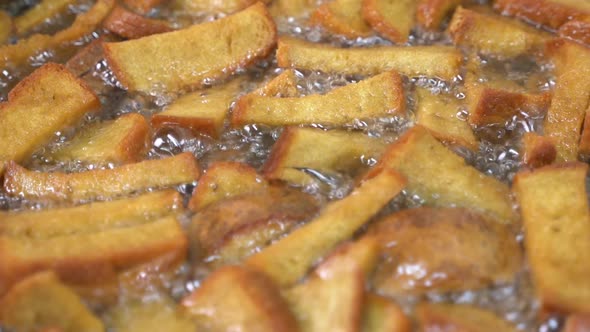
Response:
column 91, row 217
column 120, row 141
column 86, row 258
column 442, row 178
column 45, row 102
column 392, row 19
column 496, row 35
column 341, row 17
column 434, row 61
column 571, row 95
column 439, row 114
column 42, row 11
column 101, row 184
column 185, row 58
column 537, row 150
column 551, row 13
column 287, row 260
column 377, row 96
column 431, row 13
column 554, row 209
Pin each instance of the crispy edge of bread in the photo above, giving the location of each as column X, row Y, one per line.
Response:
column 546, row 12
column 431, row 13
column 391, row 29
column 352, row 25
column 456, row 317
column 537, row 151
column 130, row 25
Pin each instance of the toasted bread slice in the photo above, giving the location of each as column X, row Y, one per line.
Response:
column 537, row 151
column 232, row 229
column 442, row 178
column 185, row 58
column 90, row 258
column 202, row 112
column 42, row 11
column 551, row 13
column 19, row 53
column 155, row 315
column 50, row 99
column 431, row 13
column 495, row 35
column 333, row 150
column 101, row 184
column 224, row 6
column 555, row 214
column 143, row 6
column 382, row 315
column 119, row 141
column 392, row 19
column 379, row 95
column 464, row 264
column 42, row 301
column 571, row 94
column 577, row 323
column 456, row 317
column 6, row 26
column 91, row 217
column 289, row 259
column 130, row 25
column 342, row 17
column 239, row 298
column 435, row 61
column 439, row 114
column 578, row 30
column 224, row 180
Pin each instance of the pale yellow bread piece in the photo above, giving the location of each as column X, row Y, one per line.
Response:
column 380, row 95
column 119, row 141
column 41, row 301
column 439, row 114
column 50, row 99
column 90, row 258
column 555, row 215
column 551, row 13
column 431, row 13
column 224, row 6
column 223, row 180
column 38, row 14
column 442, row 178
column 84, row 24
column 130, row 25
column 563, row 122
column 202, row 112
column 478, row 251
column 578, row 30
column 236, row 297
column 494, row 35
column 537, row 151
column 186, row 58
column 159, row 314
column 6, row 26
column 382, row 315
column 288, row 260
column 342, row 17
column 91, row 217
column 392, row 19
column 460, row 318
column 102, row 183
column 331, row 151
column 434, row 61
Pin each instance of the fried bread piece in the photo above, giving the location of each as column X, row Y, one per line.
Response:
column 555, row 215
column 334, row 150
column 140, row 316
column 382, row 315
column 578, row 30
column 185, row 58
column 283, row 85
column 224, row 180
column 42, row 301
column 130, row 25
column 478, row 251
column 439, row 114
column 89, row 217
column 224, row 6
column 202, row 112
column 496, row 35
column 342, row 17
column 102, row 183
column 360, row 255
column 392, row 19
column 235, row 297
column 89, row 258
column 442, row 178
column 143, row 6
column 119, row 141
column 571, row 94
column 6, row 26
column 435, row 61
column 431, row 13
column 577, row 323
column 287, row 260
column 42, row 11
column 379, row 95
column 51, row 99
column 551, row 13
column 537, row 151
column 455, row 317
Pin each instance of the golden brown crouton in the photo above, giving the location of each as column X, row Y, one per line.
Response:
column 36, row 15
column 431, row 13
column 551, row 13
column 130, row 25
column 139, row 316
column 578, row 30
column 392, row 19
column 342, row 17
column 537, row 151
column 383, row 315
